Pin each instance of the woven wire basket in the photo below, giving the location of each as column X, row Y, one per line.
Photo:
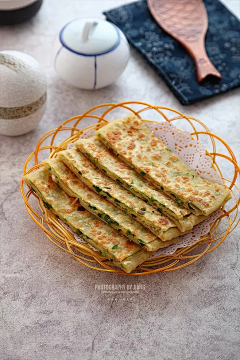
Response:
column 70, row 131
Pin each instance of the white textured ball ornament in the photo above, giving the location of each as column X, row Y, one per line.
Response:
column 23, row 93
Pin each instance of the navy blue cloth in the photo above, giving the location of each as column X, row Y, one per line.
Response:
column 172, row 62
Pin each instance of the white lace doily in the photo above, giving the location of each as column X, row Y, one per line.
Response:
column 193, row 153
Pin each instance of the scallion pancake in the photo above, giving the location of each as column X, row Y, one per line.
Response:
column 105, row 239
column 131, row 139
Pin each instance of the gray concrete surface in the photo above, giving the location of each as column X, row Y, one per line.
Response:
column 51, row 306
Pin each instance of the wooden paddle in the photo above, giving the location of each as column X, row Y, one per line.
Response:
column 187, row 22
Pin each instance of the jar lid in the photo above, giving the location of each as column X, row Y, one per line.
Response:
column 89, row 36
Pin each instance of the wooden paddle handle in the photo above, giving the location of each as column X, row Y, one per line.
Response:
column 203, row 64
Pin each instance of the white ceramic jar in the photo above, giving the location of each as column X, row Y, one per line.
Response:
column 23, row 92
column 90, row 53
